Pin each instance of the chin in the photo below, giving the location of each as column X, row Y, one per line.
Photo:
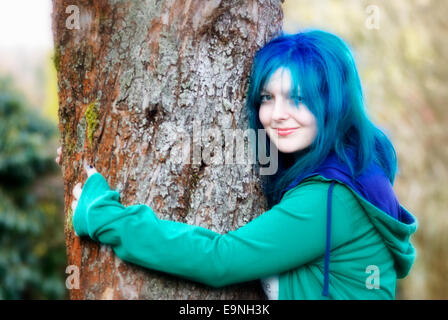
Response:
column 288, row 149
column 292, row 149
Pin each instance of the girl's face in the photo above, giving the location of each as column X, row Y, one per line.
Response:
column 278, row 112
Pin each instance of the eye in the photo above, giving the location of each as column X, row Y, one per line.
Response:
column 265, row 97
column 297, row 99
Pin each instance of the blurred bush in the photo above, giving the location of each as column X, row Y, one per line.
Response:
column 32, row 248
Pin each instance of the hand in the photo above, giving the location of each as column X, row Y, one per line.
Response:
column 77, row 190
column 58, row 158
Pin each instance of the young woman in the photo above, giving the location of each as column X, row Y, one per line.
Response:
column 331, row 199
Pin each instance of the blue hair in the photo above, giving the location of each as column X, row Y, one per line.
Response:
column 322, row 66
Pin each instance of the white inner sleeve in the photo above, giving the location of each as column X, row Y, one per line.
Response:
column 270, row 287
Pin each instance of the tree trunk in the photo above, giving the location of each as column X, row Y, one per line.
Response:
column 137, row 82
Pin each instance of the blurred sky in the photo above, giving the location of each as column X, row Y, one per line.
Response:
column 25, row 24
column 26, row 45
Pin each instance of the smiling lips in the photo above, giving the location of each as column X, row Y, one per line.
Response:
column 285, row 132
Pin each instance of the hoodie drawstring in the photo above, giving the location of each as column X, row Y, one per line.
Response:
column 327, row 249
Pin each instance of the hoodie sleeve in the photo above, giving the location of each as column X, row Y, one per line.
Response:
column 290, row 234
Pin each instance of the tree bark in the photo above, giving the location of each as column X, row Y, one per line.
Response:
column 137, row 81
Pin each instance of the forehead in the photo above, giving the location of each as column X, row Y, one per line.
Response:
column 279, row 82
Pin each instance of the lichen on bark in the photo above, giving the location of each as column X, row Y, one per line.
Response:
column 91, row 116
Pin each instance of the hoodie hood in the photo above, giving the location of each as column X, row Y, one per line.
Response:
column 376, row 195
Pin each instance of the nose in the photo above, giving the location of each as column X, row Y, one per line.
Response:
column 280, row 111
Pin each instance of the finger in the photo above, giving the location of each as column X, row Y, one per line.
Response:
column 73, row 217
column 90, row 170
column 77, row 191
column 58, row 158
column 74, row 205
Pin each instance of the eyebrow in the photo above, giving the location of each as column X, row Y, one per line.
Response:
column 267, row 91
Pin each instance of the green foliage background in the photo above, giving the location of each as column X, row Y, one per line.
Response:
column 32, row 253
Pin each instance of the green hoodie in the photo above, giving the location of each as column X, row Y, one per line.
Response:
column 369, row 249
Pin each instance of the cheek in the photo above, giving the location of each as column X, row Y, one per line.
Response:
column 264, row 116
column 306, row 118
column 312, row 124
